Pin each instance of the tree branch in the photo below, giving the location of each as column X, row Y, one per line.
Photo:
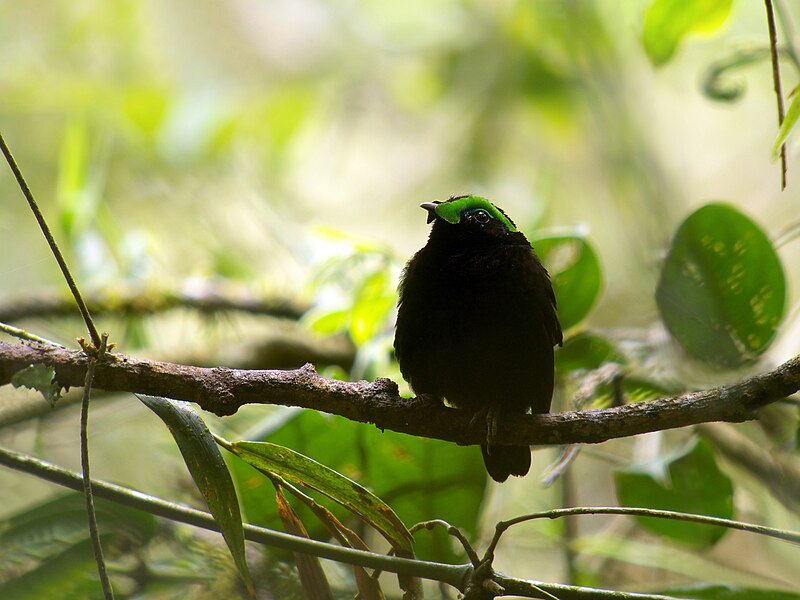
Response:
column 144, row 301
column 223, row 391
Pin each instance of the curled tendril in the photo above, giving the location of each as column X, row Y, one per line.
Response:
column 718, row 83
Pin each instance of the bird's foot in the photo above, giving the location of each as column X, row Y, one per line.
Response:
column 490, row 416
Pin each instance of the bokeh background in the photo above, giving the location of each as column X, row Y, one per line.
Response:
column 279, row 149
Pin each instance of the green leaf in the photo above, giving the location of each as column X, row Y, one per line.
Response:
column 418, row 477
column 689, row 482
column 328, row 322
column 208, row 469
column 304, row 471
column 575, row 272
column 788, row 125
column 587, row 351
column 667, row 22
column 722, row 289
column 145, row 109
column 715, row 591
column 373, row 301
column 40, row 378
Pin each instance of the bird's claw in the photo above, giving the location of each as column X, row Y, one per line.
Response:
column 491, row 426
column 490, row 416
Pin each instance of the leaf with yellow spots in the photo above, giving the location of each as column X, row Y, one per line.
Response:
column 722, row 289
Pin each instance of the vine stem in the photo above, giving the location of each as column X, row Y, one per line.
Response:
column 73, row 287
column 502, row 526
column 776, row 78
column 94, row 534
column 24, row 335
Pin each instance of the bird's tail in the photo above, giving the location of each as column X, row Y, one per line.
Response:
column 502, row 461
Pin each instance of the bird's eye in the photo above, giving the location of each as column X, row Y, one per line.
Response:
column 481, row 216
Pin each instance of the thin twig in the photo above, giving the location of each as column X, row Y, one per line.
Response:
column 24, row 335
column 108, row 592
column 781, row 534
column 570, row 532
column 776, row 78
column 453, row 531
column 26, row 191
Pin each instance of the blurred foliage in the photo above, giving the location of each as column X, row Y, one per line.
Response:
column 284, row 146
column 667, row 22
column 46, row 553
column 687, row 481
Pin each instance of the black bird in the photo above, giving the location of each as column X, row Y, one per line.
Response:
column 477, row 321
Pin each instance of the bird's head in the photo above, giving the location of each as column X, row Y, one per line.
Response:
column 469, row 216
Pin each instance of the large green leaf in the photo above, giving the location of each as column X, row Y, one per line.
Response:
column 722, row 289
column 304, row 471
column 667, row 22
column 689, row 482
column 575, row 273
column 208, row 469
column 586, row 350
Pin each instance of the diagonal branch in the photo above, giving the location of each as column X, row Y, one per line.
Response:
column 223, row 391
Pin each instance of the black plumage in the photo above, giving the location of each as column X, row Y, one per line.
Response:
column 477, row 321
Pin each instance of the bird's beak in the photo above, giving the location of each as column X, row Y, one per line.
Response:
column 431, row 208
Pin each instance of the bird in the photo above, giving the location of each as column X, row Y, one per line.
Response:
column 477, row 322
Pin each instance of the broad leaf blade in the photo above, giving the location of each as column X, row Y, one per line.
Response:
column 208, row 469
column 722, row 288
column 301, row 470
